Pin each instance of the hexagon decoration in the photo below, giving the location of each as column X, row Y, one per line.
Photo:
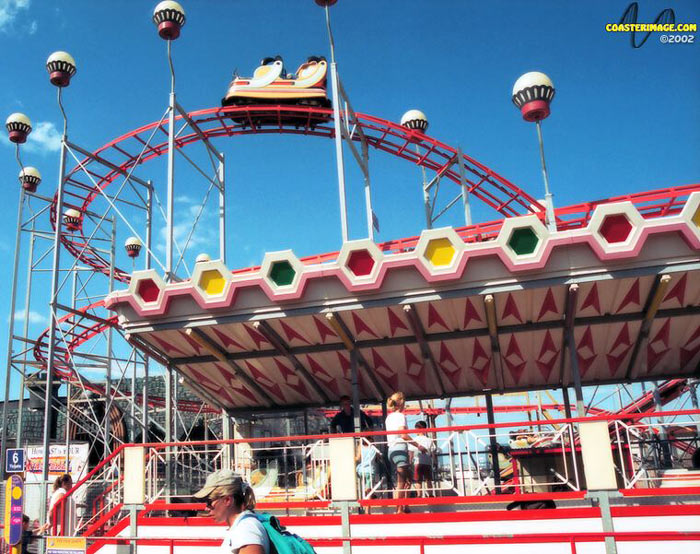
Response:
column 282, row 271
column 691, row 214
column 147, row 288
column 439, row 251
column 616, row 227
column 211, row 280
column 523, row 239
column 360, row 261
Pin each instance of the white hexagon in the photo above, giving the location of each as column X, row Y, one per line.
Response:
column 433, row 260
column 138, row 277
column 691, row 213
column 617, row 208
column 351, row 253
column 271, row 262
column 209, row 286
column 511, row 224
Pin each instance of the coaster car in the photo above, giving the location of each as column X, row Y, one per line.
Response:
column 270, row 84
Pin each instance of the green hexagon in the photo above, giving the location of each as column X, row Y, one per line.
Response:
column 523, row 241
column 282, row 273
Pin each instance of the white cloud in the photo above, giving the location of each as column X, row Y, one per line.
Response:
column 32, row 28
column 9, row 10
column 34, row 317
column 44, row 138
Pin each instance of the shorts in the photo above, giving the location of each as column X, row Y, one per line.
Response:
column 423, row 472
column 398, row 456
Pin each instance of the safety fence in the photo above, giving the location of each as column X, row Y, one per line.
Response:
column 650, row 450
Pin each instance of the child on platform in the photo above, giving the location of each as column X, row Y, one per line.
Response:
column 423, row 461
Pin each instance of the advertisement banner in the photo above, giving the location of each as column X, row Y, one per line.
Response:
column 66, row 545
column 14, row 497
column 77, row 461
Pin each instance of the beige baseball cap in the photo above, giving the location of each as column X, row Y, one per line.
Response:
column 221, row 478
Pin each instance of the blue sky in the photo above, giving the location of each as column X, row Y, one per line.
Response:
column 623, row 120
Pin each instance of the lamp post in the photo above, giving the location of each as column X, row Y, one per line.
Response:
column 532, row 94
column 417, row 121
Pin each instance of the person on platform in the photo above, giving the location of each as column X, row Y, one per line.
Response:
column 398, row 446
column 29, row 537
column 423, row 461
column 64, row 512
column 344, row 420
column 230, row 500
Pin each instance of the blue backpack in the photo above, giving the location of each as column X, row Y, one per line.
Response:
column 281, row 540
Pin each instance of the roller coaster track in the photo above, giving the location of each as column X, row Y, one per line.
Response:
column 122, row 155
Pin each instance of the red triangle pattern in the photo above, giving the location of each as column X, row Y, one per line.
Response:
column 470, row 314
column 323, row 330
column 291, row 379
column 548, row 356
column 395, row 322
column 344, row 365
column 218, row 391
column 411, row 361
column 592, row 299
column 511, row 309
column 193, row 343
column 688, row 352
column 619, row 350
column 361, row 326
column 434, row 318
column 481, row 362
column 258, row 339
column 264, row 381
column 585, row 352
column 453, row 371
column 318, row 371
column 240, row 388
column 167, row 346
column 658, row 345
column 389, row 376
column 514, row 359
column 678, row 290
column 292, row 333
column 226, row 340
column 548, row 305
column 632, row 296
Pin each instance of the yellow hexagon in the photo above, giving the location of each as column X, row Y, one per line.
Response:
column 440, row 252
column 696, row 217
column 212, row 282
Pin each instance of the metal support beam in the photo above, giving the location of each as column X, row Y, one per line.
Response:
column 10, row 333
column 340, row 164
column 490, row 307
column 210, row 346
column 344, row 334
column 222, row 210
column 354, row 381
column 465, row 187
column 494, row 443
column 419, row 332
column 569, row 322
column 275, row 340
column 651, row 307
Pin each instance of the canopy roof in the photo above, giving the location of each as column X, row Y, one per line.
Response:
column 445, row 315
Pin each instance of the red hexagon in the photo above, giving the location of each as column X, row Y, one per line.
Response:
column 360, row 263
column 615, row 228
column 148, row 290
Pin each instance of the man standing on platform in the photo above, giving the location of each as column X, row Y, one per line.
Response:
column 343, row 421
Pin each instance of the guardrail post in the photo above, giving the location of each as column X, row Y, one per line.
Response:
column 134, row 487
column 343, row 490
column 599, row 468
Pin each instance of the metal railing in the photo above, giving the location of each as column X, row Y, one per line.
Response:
column 519, row 458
